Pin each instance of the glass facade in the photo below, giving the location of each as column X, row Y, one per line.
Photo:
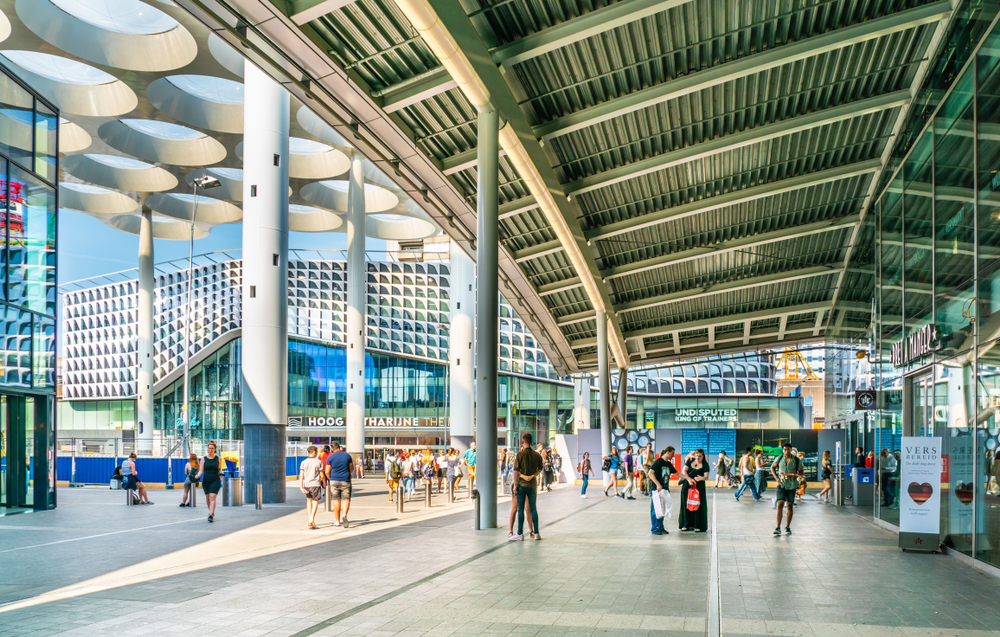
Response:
column 938, row 274
column 28, row 168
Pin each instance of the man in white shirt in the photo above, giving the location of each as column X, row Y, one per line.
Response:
column 311, row 484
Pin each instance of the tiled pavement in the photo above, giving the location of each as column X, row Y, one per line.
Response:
column 598, row 572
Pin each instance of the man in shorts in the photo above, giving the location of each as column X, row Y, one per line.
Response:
column 659, row 476
column 339, row 467
column 786, row 471
column 311, row 484
column 469, row 460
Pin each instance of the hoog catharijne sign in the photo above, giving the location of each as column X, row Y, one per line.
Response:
column 920, row 494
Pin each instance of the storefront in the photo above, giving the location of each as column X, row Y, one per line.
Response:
column 937, row 307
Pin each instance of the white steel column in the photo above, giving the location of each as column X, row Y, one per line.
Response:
column 605, row 382
column 144, row 350
column 356, row 309
column 487, row 308
column 265, row 285
column 581, row 404
column 461, row 366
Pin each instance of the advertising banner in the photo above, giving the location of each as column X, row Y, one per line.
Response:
column 920, row 493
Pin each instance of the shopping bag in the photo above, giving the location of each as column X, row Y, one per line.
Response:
column 694, row 499
column 663, row 507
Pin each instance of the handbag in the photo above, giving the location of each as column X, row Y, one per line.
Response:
column 693, row 499
column 607, row 465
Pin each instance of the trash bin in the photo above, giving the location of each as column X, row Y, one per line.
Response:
column 838, row 489
column 232, row 491
column 864, row 487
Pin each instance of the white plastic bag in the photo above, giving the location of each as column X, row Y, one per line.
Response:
column 663, row 506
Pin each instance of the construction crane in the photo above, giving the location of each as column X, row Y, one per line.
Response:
column 792, row 366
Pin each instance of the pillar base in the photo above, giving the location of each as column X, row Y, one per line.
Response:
column 462, row 443
column 264, row 463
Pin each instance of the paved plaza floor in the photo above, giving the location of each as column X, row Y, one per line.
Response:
column 96, row 567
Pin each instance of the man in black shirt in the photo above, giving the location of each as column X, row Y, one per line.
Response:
column 527, row 467
column 660, row 474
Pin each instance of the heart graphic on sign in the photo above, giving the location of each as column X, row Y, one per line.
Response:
column 964, row 492
column 920, row 493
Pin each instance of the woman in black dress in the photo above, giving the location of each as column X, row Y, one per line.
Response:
column 694, row 474
column 210, row 476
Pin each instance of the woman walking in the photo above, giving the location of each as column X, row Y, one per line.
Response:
column 612, row 470
column 548, row 469
column 451, row 469
column 210, row 476
column 190, row 478
column 694, row 474
column 586, row 472
column 827, row 475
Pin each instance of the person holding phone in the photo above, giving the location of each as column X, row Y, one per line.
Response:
column 787, row 470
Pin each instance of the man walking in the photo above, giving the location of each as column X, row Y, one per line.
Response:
column 469, row 460
column 659, row 477
column 787, row 470
column 761, row 475
column 311, row 484
column 339, row 467
column 393, row 473
column 629, row 462
column 527, row 468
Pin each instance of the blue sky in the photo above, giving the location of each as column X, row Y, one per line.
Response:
column 88, row 248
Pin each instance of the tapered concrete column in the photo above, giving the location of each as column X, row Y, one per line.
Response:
column 487, row 308
column 581, row 403
column 355, row 309
column 265, row 285
column 461, row 366
column 144, row 349
column 605, row 382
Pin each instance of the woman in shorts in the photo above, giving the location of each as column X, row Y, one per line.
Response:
column 190, row 479
column 210, row 476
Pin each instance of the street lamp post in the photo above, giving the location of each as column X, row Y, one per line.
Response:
column 206, row 182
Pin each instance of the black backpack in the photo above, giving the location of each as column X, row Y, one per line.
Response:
column 607, row 465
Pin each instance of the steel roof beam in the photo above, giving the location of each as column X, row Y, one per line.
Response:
column 462, row 161
column 734, row 198
column 416, row 90
column 536, row 251
column 751, row 241
column 726, row 143
column 579, row 28
column 303, row 11
column 743, row 67
column 727, row 286
column 517, row 206
column 559, row 286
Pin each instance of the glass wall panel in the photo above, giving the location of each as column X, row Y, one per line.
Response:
column 16, row 121
column 987, row 487
column 954, row 405
column 31, row 232
column 918, row 232
column 988, row 298
column 46, row 127
column 955, row 217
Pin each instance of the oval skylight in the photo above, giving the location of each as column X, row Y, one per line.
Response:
column 58, row 68
column 213, row 89
column 235, row 174
column 302, row 146
column 121, row 16
column 163, row 130
column 117, row 161
column 384, row 216
column 188, row 197
column 89, row 189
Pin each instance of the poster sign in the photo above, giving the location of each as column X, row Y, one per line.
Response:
column 920, row 493
column 692, row 439
column 865, row 399
column 722, row 440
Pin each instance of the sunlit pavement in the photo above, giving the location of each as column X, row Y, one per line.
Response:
column 95, row 567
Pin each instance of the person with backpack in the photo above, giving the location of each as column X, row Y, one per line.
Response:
column 610, row 466
column 748, row 468
column 694, row 500
column 786, row 470
column 585, row 471
column 722, row 468
column 393, row 473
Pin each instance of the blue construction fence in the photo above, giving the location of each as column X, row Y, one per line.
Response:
column 98, row 469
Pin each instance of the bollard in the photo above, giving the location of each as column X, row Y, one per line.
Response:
column 194, row 492
column 471, row 490
column 170, row 473
column 451, row 492
column 399, row 499
column 128, row 495
column 427, row 494
column 260, row 496
column 475, row 497
column 329, row 500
